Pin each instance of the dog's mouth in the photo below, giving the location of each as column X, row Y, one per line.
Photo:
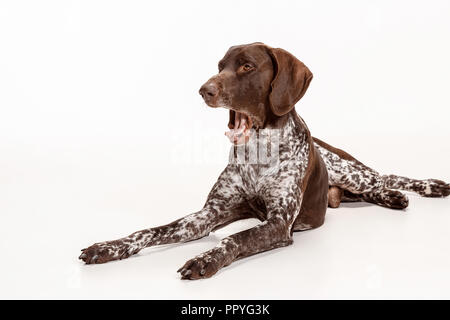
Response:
column 240, row 132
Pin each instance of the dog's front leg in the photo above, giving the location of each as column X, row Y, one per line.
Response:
column 270, row 234
column 221, row 208
column 282, row 196
column 190, row 227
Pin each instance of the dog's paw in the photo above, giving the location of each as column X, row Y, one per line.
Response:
column 107, row 251
column 434, row 188
column 201, row 267
column 392, row 199
column 395, row 199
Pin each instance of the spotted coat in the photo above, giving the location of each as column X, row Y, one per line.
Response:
column 271, row 191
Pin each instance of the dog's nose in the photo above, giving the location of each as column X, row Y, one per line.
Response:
column 209, row 91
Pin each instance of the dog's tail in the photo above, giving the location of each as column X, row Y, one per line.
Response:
column 426, row 188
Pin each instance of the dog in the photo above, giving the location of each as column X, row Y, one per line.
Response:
column 289, row 191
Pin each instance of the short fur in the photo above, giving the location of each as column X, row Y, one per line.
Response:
column 290, row 195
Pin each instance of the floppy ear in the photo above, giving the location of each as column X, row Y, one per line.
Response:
column 291, row 80
column 231, row 120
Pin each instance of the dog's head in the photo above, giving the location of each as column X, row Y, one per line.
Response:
column 257, row 83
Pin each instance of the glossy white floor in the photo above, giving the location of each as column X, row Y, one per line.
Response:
column 55, row 201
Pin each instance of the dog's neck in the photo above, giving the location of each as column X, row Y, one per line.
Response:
column 272, row 121
column 270, row 144
column 290, row 124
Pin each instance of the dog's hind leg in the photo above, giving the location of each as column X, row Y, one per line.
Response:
column 427, row 188
column 352, row 181
column 347, row 173
column 392, row 199
column 395, row 199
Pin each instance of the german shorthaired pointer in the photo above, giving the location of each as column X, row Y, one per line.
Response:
column 260, row 86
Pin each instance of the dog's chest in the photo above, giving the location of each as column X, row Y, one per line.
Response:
column 282, row 158
column 257, row 176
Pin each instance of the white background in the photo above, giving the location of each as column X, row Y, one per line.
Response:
column 102, row 133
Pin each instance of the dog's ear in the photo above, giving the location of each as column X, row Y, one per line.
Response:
column 231, row 120
column 290, row 82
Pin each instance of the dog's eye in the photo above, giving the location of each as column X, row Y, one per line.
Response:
column 247, row 67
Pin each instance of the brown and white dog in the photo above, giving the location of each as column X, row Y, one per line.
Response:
column 260, row 86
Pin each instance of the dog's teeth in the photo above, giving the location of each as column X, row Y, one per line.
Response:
column 82, row 256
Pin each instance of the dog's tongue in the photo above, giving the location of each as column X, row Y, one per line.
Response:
column 241, row 131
